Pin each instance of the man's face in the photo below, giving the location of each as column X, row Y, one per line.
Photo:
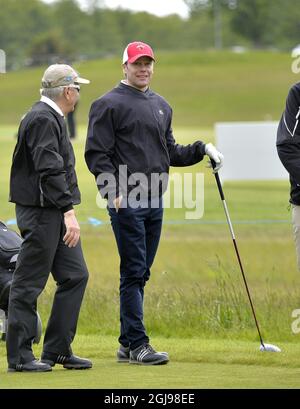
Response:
column 139, row 73
column 72, row 96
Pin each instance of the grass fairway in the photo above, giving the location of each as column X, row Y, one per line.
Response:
column 203, row 87
column 195, row 363
column 195, row 292
column 195, row 305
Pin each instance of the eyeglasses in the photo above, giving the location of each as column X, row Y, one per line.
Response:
column 74, row 87
column 78, row 89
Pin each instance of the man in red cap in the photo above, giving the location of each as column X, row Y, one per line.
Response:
column 129, row 149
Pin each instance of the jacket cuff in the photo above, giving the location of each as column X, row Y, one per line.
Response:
column 67, row 208
column 202, row 148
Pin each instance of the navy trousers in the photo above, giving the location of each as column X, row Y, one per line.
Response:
column 137, row 232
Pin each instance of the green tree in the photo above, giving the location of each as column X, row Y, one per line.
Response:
column 286, row 23
column 106, row 33
column 50, row 47
column 199, row 6
column 217, row 11
column 19, row 24
column 74, row 24
column 253, row 20
column 160, row 33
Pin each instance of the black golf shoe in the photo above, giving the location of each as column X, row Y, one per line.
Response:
column 68, row 362
column 123, row 354
column 32, row 366
column 146, row 355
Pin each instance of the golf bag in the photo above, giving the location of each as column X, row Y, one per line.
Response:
column 10, row 244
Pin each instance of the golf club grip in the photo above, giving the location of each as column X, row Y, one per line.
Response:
column 213, row 164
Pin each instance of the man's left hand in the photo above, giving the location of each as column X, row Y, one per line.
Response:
column 215, row 155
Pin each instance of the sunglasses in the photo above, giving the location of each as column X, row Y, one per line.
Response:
column 74, row 87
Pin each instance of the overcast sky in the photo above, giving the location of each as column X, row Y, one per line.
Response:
column 158, row 7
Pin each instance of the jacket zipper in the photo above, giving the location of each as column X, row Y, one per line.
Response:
column 41, row 193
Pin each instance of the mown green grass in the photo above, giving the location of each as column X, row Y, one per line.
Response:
column 196, row 305
column 194, row 363
column 196, row 288
column 203, row 87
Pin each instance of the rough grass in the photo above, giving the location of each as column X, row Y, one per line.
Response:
column 195, row 293
column 196, row 285
column 203, row 87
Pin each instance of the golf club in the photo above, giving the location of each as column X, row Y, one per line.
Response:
column 263, row 346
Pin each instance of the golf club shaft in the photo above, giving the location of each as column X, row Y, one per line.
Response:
column 236, row 248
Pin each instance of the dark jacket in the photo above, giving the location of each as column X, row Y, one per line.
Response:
column 133, row 128
column 288, row 141
column 43, row 166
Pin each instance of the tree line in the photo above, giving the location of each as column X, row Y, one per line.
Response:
column 33, row 32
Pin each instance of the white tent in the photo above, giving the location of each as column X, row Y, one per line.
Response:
column 250, row 152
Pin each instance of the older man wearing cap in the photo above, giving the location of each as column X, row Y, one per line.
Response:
column 130, row 127
column 43, row 184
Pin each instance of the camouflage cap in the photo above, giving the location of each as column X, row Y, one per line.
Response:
column 58, row 75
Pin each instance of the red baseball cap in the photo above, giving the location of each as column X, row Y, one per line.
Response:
column 136, row 50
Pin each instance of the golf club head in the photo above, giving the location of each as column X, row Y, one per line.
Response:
column 269, row 348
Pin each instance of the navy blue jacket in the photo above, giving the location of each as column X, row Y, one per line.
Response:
column 43, row 166
column 288, row 141
column 133, row 128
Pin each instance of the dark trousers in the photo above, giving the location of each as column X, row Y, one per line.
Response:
column 137, row 233
column 71, row 122
column 42, row 251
